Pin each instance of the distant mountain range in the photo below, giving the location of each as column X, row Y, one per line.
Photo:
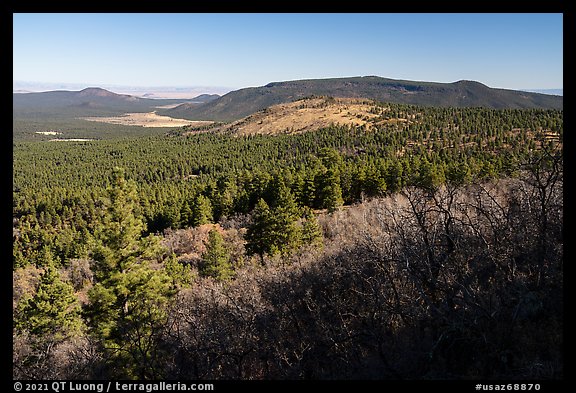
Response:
column 240, row 103
column 160, row 92
column 91, row 101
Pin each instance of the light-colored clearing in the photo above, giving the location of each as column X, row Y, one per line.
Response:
column 48, row 132
column 150, row 119
column 170, row 106
column 70, row 140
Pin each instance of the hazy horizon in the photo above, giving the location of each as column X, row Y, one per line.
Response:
column 155, row 91
column 171, row 91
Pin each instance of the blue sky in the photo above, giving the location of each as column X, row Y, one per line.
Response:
column 513, row 51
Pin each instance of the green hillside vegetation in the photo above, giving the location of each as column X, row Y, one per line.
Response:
column 243, row 102
column 387, row 250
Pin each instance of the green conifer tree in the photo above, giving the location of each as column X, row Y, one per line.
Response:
column 394, row 177
column 128, row 303
column 283, row 231
column 180, row 273
column 275, row 231
column 201, row 211
column 311, row 231
column 53, row 311
column 216, row 258
column 330, row 191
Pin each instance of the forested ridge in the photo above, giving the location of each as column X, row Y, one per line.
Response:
column 346, row 252
column 243, row 102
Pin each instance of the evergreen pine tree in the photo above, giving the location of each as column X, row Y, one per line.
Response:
column 308, row 193
column 224, row 198
column 128, row 303
column 283, row 231
column 180, row 273
column 201, row 211
column 53, row 310
column 330, row 191
column 275, row 231
column 256, row 234
column 311, row 231
column 430, row 176
column 186, row 216
column 374, row 184
column 216, row 258
column 394, row 178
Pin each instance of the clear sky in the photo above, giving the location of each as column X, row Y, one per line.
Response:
column 513, row 51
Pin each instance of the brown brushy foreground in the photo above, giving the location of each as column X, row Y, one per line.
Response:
column 452, row 283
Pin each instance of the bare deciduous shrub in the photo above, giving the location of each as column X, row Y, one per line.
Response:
column 444, row 283
column 47, row 358
column 79, row 273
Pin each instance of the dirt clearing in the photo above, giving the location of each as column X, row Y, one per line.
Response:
column 150, row 119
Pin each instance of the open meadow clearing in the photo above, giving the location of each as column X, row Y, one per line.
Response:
column 150, row 119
